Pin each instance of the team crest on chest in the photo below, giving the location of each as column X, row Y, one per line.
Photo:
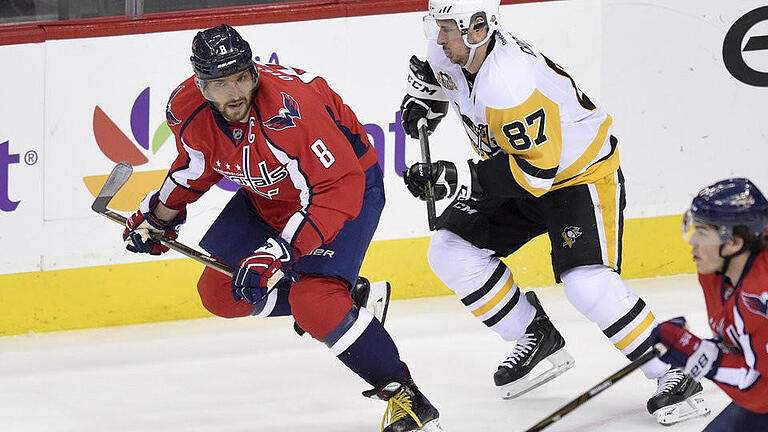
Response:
column 260, row 179
column 756, row 303
column 570, row 234
column 446, row 81
column 286, row 116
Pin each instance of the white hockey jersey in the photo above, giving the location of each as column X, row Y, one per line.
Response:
column 528, row 107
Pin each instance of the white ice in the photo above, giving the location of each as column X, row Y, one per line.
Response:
column 257, row 375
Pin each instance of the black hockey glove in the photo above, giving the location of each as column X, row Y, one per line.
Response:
column 448, row 180
column 425, row 99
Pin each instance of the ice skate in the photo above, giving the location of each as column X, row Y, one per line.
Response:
column 372, row 296
column 407, row 408
column 541, row 341
column 678, row 398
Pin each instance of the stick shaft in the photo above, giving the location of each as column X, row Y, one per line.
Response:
column 594, row 391
column 425, row 158
column 181, row 248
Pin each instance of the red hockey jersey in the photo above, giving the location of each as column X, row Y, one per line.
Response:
column 301, row 156
column 739, row 315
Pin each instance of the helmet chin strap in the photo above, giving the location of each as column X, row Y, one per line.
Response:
column 473, row 47
column 727, row 258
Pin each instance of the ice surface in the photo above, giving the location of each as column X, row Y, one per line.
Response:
column 256, row 375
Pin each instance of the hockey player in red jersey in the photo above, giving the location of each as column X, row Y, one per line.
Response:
column 727, row 227
column 311, row 196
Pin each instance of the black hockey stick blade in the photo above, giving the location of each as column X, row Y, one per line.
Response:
column 603, row 385
column 425, row 158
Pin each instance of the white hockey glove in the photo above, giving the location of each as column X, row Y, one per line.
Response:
column 425, row 98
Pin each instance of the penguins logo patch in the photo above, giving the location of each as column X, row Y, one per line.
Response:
column 570, row 234
column 446, row 81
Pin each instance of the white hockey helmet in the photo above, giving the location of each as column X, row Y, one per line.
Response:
column 463, row 13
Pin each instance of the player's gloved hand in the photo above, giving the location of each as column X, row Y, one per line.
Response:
column 448, row 180
column 698, row 358
column 143, row 230
column 424, row 99
column 262, row 270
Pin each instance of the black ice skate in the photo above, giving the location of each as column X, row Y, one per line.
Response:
column 540, row 342
column 372, row 296
column 678, row 398
column 407, row 408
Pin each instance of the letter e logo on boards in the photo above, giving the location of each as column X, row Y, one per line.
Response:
column 733, row 53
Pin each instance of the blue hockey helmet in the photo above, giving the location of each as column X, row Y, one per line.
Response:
column 218, row 52
column 727, row 204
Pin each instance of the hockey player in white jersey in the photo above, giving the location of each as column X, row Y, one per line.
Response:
column 550, row 164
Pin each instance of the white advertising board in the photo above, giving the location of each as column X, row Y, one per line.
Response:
column 684, row 121
column 681, row 117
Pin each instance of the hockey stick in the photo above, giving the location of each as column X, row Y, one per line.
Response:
column 115, row 181
column 657, row 350
column 425, row 158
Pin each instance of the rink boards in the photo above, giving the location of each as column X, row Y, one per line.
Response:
column 73, row 107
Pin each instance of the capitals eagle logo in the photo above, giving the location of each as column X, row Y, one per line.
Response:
column 285, row 117
column 756, row 303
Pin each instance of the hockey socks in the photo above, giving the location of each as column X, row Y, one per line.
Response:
column 365, row 347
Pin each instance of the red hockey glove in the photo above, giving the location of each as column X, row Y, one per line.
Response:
column 698, row 358
column 262, row 270
column 143, row 231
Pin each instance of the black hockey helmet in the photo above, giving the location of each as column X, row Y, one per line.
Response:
column 730, row 203
column 218, row 52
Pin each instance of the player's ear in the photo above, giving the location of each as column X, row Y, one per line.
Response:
column 478, row 29
column 735, row 243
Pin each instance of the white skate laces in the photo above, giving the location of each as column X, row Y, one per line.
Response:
column 669, row 380
column 524, row 345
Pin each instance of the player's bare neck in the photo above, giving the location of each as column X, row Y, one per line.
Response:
column 736, row 267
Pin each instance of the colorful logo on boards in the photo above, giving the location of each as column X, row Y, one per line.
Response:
column 117, row 146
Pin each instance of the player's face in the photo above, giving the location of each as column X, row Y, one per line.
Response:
column 231, row 95
column 705, row 241
column 449, row 37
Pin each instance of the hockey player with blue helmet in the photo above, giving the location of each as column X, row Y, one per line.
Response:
column 726, row 228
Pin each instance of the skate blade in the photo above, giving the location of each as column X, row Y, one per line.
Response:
column 431, row 426
column 686, row 410
column 560, row 360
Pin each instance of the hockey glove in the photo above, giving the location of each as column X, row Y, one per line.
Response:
column 424, row 99
column 448, row 180
column 262, row 270
column 698, row 358
column 143, row 230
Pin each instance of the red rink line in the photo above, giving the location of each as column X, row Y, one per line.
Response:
column 301, row 10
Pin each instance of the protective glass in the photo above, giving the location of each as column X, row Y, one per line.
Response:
column 228, row 89
column 698, row 232
column 445, row 30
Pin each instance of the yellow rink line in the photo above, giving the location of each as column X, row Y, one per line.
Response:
column 166, row 290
